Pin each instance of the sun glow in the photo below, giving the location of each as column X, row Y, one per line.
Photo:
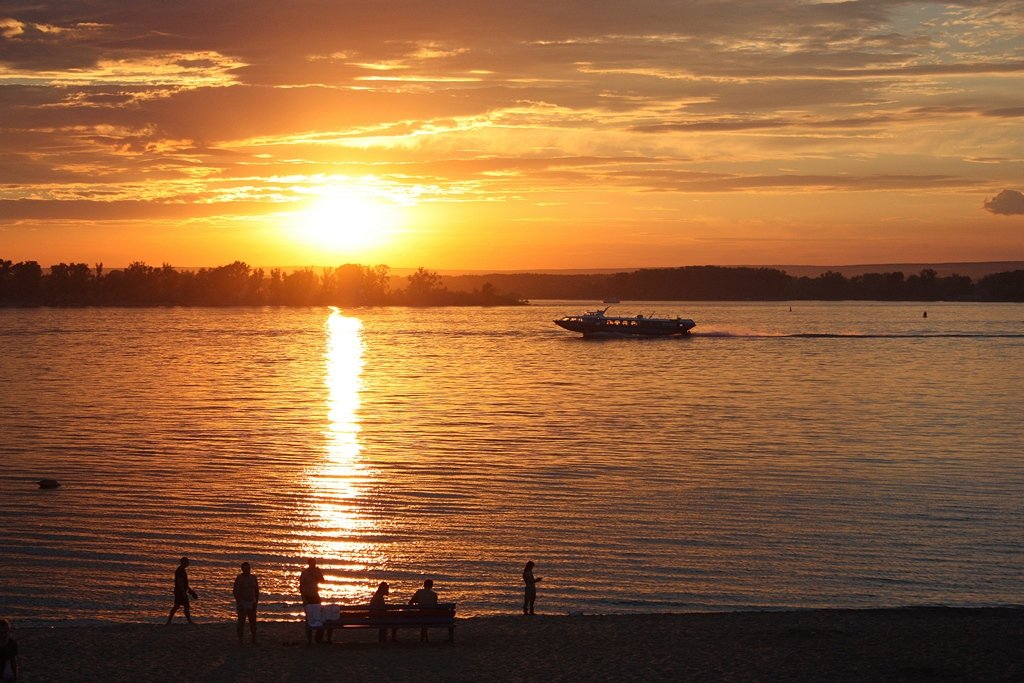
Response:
column 347, row 222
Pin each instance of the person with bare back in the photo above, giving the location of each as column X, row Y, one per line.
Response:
column 247, row 596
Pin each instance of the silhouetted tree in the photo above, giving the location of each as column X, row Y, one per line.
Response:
column 299, row 288
column 230, row 285
column 70, row 285
column 922, row 287
column 5, row 275
column 355, row 285
column 24, row 284
column 877, row 286
column 1007, row 286
column 424, row 288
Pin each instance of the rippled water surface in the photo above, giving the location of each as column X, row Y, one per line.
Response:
column 843, row 454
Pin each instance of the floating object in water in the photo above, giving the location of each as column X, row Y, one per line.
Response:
column 925, row 314
column 49, row 484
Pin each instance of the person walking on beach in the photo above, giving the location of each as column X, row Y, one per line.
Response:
column 8, row 654
column 427, row 597
column 182, row 591
column 247, row 596
column 310, row 579
column 531, row 588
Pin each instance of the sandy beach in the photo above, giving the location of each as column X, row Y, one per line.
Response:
column 820, row 645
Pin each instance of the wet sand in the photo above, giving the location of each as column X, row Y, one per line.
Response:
column 915, row 644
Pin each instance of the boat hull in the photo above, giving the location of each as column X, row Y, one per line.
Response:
column 626, row 327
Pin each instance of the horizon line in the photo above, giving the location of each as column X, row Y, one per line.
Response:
column 597, row 270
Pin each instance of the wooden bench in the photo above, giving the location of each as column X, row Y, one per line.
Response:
column 393, row 617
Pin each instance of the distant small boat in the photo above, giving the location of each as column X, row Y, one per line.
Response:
column 49, row 484
column 597, row 324
column 611, row 300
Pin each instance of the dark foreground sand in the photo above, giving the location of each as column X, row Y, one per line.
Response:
column 822, row 645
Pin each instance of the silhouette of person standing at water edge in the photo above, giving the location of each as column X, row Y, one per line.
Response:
column 310, row 579
column 247, row 596
column 8, row 654
column 182, row 591
column 531, row 588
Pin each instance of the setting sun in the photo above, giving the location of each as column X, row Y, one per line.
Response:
column 346, row 222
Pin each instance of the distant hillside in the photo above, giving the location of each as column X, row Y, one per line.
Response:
column 739, row 283
column 974, row 271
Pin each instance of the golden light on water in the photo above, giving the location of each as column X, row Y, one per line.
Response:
column 341, row 480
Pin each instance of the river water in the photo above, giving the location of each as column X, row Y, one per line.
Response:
column 787, row 455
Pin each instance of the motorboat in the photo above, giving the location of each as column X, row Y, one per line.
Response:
column 598, row 324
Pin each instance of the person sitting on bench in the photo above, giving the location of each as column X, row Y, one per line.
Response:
column 427, row 597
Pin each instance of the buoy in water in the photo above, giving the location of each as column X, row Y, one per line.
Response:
column 925, row 314
column 49, row 484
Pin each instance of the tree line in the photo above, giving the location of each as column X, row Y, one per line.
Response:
column 236, row 284
column 718, row 283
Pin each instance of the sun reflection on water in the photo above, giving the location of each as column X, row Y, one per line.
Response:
column 339, row 525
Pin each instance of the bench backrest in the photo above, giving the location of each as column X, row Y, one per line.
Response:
column 357, row 614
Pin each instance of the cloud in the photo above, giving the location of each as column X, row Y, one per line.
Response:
column 1006, row 203
column 115, row 111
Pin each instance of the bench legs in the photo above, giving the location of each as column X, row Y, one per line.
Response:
column 382, row 634
column 319, row 632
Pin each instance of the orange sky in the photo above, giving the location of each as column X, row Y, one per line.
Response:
column 497, row 135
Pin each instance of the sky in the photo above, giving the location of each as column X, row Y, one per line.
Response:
column 511, row 135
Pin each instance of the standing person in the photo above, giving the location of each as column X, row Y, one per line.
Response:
column 8, row 654
column 247, row 597
column 427, row 597
column 531, row 588
column 310, row 579
column 182, row 591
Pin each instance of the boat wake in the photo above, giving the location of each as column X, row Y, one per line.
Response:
column 725, row 334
